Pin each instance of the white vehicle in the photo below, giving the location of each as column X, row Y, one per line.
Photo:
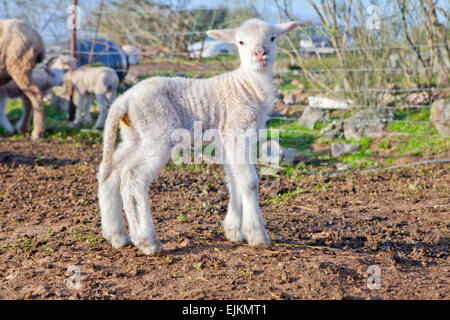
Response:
column 310, row 46
column 211, row 48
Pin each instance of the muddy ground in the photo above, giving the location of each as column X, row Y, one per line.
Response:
column 324, row 237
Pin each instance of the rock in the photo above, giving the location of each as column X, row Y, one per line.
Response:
column 368, row 122
column 327, row 103
column 310, row 116
column 388, row 98
column 297, row 83
column 420, row 97
column 289, row 99
column 334, row 129
column 288, row 155
column 338, row 149
column 341, row 166
column 440, row 116
column 393, row 86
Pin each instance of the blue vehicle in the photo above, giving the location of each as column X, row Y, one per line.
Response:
column 106, row 52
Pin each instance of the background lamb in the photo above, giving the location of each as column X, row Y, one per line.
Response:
column 21, row 47
column 52, row 76
column 149, row 113
column 87, row 81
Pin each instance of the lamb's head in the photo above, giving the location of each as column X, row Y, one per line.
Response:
column 54, row 70
column 256, row 41
column 54, row 76
column 63, row 62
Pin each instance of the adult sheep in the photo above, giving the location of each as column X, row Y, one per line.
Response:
column 21, row 48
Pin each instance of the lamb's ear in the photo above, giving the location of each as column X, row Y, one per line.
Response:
column 71, row 63
column 226, row 35
column 282, row 28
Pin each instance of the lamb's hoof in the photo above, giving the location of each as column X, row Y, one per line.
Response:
column 20, row 128
column 148, row 247
column 9, row 129
column 234, row 235
column 117, row 239
column 35, row 136
column 257, row 238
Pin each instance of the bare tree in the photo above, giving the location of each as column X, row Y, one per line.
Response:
column 364, row 47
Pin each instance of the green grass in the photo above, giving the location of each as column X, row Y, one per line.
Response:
column 414, row 122
column 427, row 139
column 285, row 196
column 293, row 135
column 56, row 125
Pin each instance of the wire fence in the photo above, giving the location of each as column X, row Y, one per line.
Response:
column 401, row 104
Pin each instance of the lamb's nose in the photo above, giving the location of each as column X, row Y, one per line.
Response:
column 260, row 53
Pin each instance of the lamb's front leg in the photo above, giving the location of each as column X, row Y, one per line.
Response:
column 246, row 182
column 87, row 110
column 4, row 122
column 232, row 224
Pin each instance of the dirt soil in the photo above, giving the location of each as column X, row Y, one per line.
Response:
column 324, row 238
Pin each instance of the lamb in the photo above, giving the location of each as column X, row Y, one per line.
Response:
column 52, row 76
column 87, row 81
column 21, row 48
column 151, row 111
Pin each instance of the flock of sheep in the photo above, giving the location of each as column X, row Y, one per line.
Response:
column 148, row 114
column 21, row 48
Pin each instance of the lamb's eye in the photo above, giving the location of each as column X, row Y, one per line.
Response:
column 272, row 39
column 241, row 43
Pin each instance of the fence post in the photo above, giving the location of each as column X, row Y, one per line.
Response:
column 73, row 40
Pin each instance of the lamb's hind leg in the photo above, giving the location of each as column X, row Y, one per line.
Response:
column 110, row 199
column 103, row 103
column 136, row 177
column 80, row 106
column 87, row 109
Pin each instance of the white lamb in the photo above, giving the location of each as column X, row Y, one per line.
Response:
column 52, row 76
column 149, row 112
column 87, row 81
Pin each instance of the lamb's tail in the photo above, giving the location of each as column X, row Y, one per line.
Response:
column 116, row 113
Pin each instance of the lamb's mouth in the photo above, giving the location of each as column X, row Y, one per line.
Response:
column 261, row 62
